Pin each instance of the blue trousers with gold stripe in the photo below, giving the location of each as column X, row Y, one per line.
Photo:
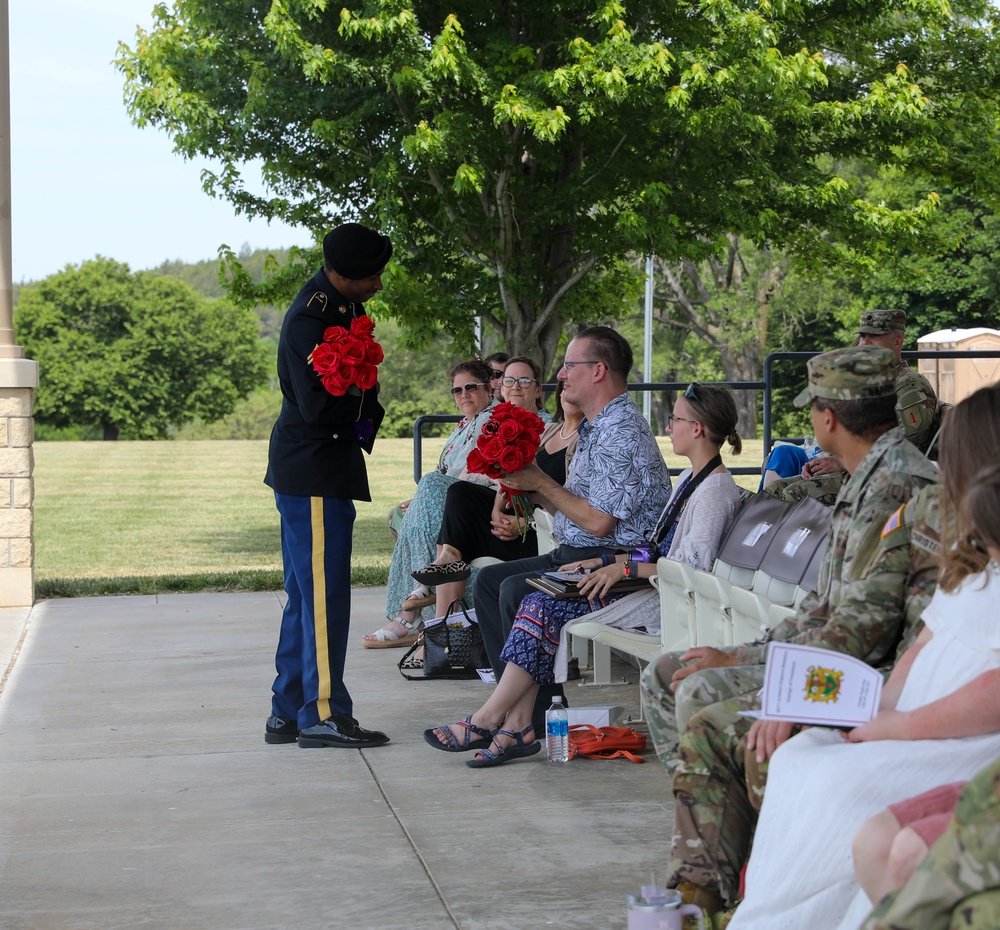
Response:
column 316, row 536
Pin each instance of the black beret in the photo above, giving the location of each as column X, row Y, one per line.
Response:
column 355, row 251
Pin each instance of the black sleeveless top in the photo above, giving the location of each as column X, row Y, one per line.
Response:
column 552, row 463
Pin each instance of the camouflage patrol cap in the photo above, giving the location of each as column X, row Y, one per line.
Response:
column 879, row 322
column 854, row 373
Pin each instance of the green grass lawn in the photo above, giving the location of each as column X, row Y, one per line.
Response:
column 142, row 517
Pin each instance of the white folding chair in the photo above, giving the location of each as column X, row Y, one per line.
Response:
column 713, row 620
column 678, row 615
column 748, row 612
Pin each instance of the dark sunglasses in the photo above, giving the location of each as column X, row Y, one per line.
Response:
column 469, row 388
column 689, row 391
column 494, row 374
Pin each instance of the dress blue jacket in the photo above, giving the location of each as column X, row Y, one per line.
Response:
column 314, row 451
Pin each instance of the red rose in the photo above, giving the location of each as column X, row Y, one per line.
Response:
column 334, row 385
column 490, row 428
column 475, row 462
column 367, row 376
column 334, row 334
column 491, row 449
column 527, row 448
column 511, row 459
column 509, row 430
column 325, row 358
column 374, row 354
column 355, row 352
column 362, row 326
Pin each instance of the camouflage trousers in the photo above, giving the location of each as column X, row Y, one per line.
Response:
column 824, row 488
column 714, row 817
column 957, row 886
column 668, row 712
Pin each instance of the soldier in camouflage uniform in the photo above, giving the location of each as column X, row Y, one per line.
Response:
column 916, row 408
column 957, row 886
column 861, row 607
column 857, row 522
column 720, row 776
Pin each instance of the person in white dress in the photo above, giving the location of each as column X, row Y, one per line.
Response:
column 823, row 784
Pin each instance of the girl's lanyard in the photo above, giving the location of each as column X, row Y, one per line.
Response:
column 668, row 519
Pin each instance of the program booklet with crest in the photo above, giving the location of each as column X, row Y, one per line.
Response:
column 817, row 686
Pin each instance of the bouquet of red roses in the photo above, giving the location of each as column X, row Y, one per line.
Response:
column 348, row 359
column 508, row 442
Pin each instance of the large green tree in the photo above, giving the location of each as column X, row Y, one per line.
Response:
column 134, row 353
column 515, row 148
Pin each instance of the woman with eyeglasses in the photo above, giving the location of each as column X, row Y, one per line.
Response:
column 416, row 542
column 479, row 523
column 521, row 384
column 690, row 529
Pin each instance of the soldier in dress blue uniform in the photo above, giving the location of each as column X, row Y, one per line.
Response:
column 317, row 471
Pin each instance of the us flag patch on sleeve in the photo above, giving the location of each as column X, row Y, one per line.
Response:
column 894, row 522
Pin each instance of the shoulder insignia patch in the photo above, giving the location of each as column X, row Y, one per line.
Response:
column 894, row 522
column 322, row 298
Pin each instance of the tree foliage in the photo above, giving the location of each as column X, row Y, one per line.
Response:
column 136, row 354
column 513, row 149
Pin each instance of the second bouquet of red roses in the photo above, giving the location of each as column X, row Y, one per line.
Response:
column 348, row 358
column 508, row 442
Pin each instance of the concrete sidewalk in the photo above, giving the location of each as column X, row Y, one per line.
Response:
column 137, row 790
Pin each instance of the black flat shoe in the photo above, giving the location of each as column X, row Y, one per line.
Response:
column 434, row 575
column 279, row 730
column 340, row 732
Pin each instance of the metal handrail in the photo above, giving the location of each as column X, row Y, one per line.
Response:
column 785, row 356
column 764, row 385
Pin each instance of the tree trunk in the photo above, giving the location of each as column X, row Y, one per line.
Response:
column 523, row 340
column 743, row 366
column 110, row 431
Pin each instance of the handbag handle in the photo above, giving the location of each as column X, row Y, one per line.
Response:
column 447, row 614
column 594, row 744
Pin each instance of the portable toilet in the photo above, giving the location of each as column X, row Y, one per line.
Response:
column 954, row 379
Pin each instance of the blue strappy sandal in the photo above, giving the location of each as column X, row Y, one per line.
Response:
column 455, row 744
column 519, row 750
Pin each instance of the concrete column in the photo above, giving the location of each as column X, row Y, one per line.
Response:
column 18, row 381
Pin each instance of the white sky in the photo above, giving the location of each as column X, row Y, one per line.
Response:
column 85, row 181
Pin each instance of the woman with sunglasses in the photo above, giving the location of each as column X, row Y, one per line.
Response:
column 690, row 529
column 496, row 363
column 478, row 522
column 421, row 521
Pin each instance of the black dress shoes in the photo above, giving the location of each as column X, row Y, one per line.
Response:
column 340, row 731
column 279, row 730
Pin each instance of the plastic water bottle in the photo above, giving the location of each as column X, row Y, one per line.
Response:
column 811, row 448
column 557, row 731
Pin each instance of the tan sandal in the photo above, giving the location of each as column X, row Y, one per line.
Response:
column 418, row 598
column 385, row 638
